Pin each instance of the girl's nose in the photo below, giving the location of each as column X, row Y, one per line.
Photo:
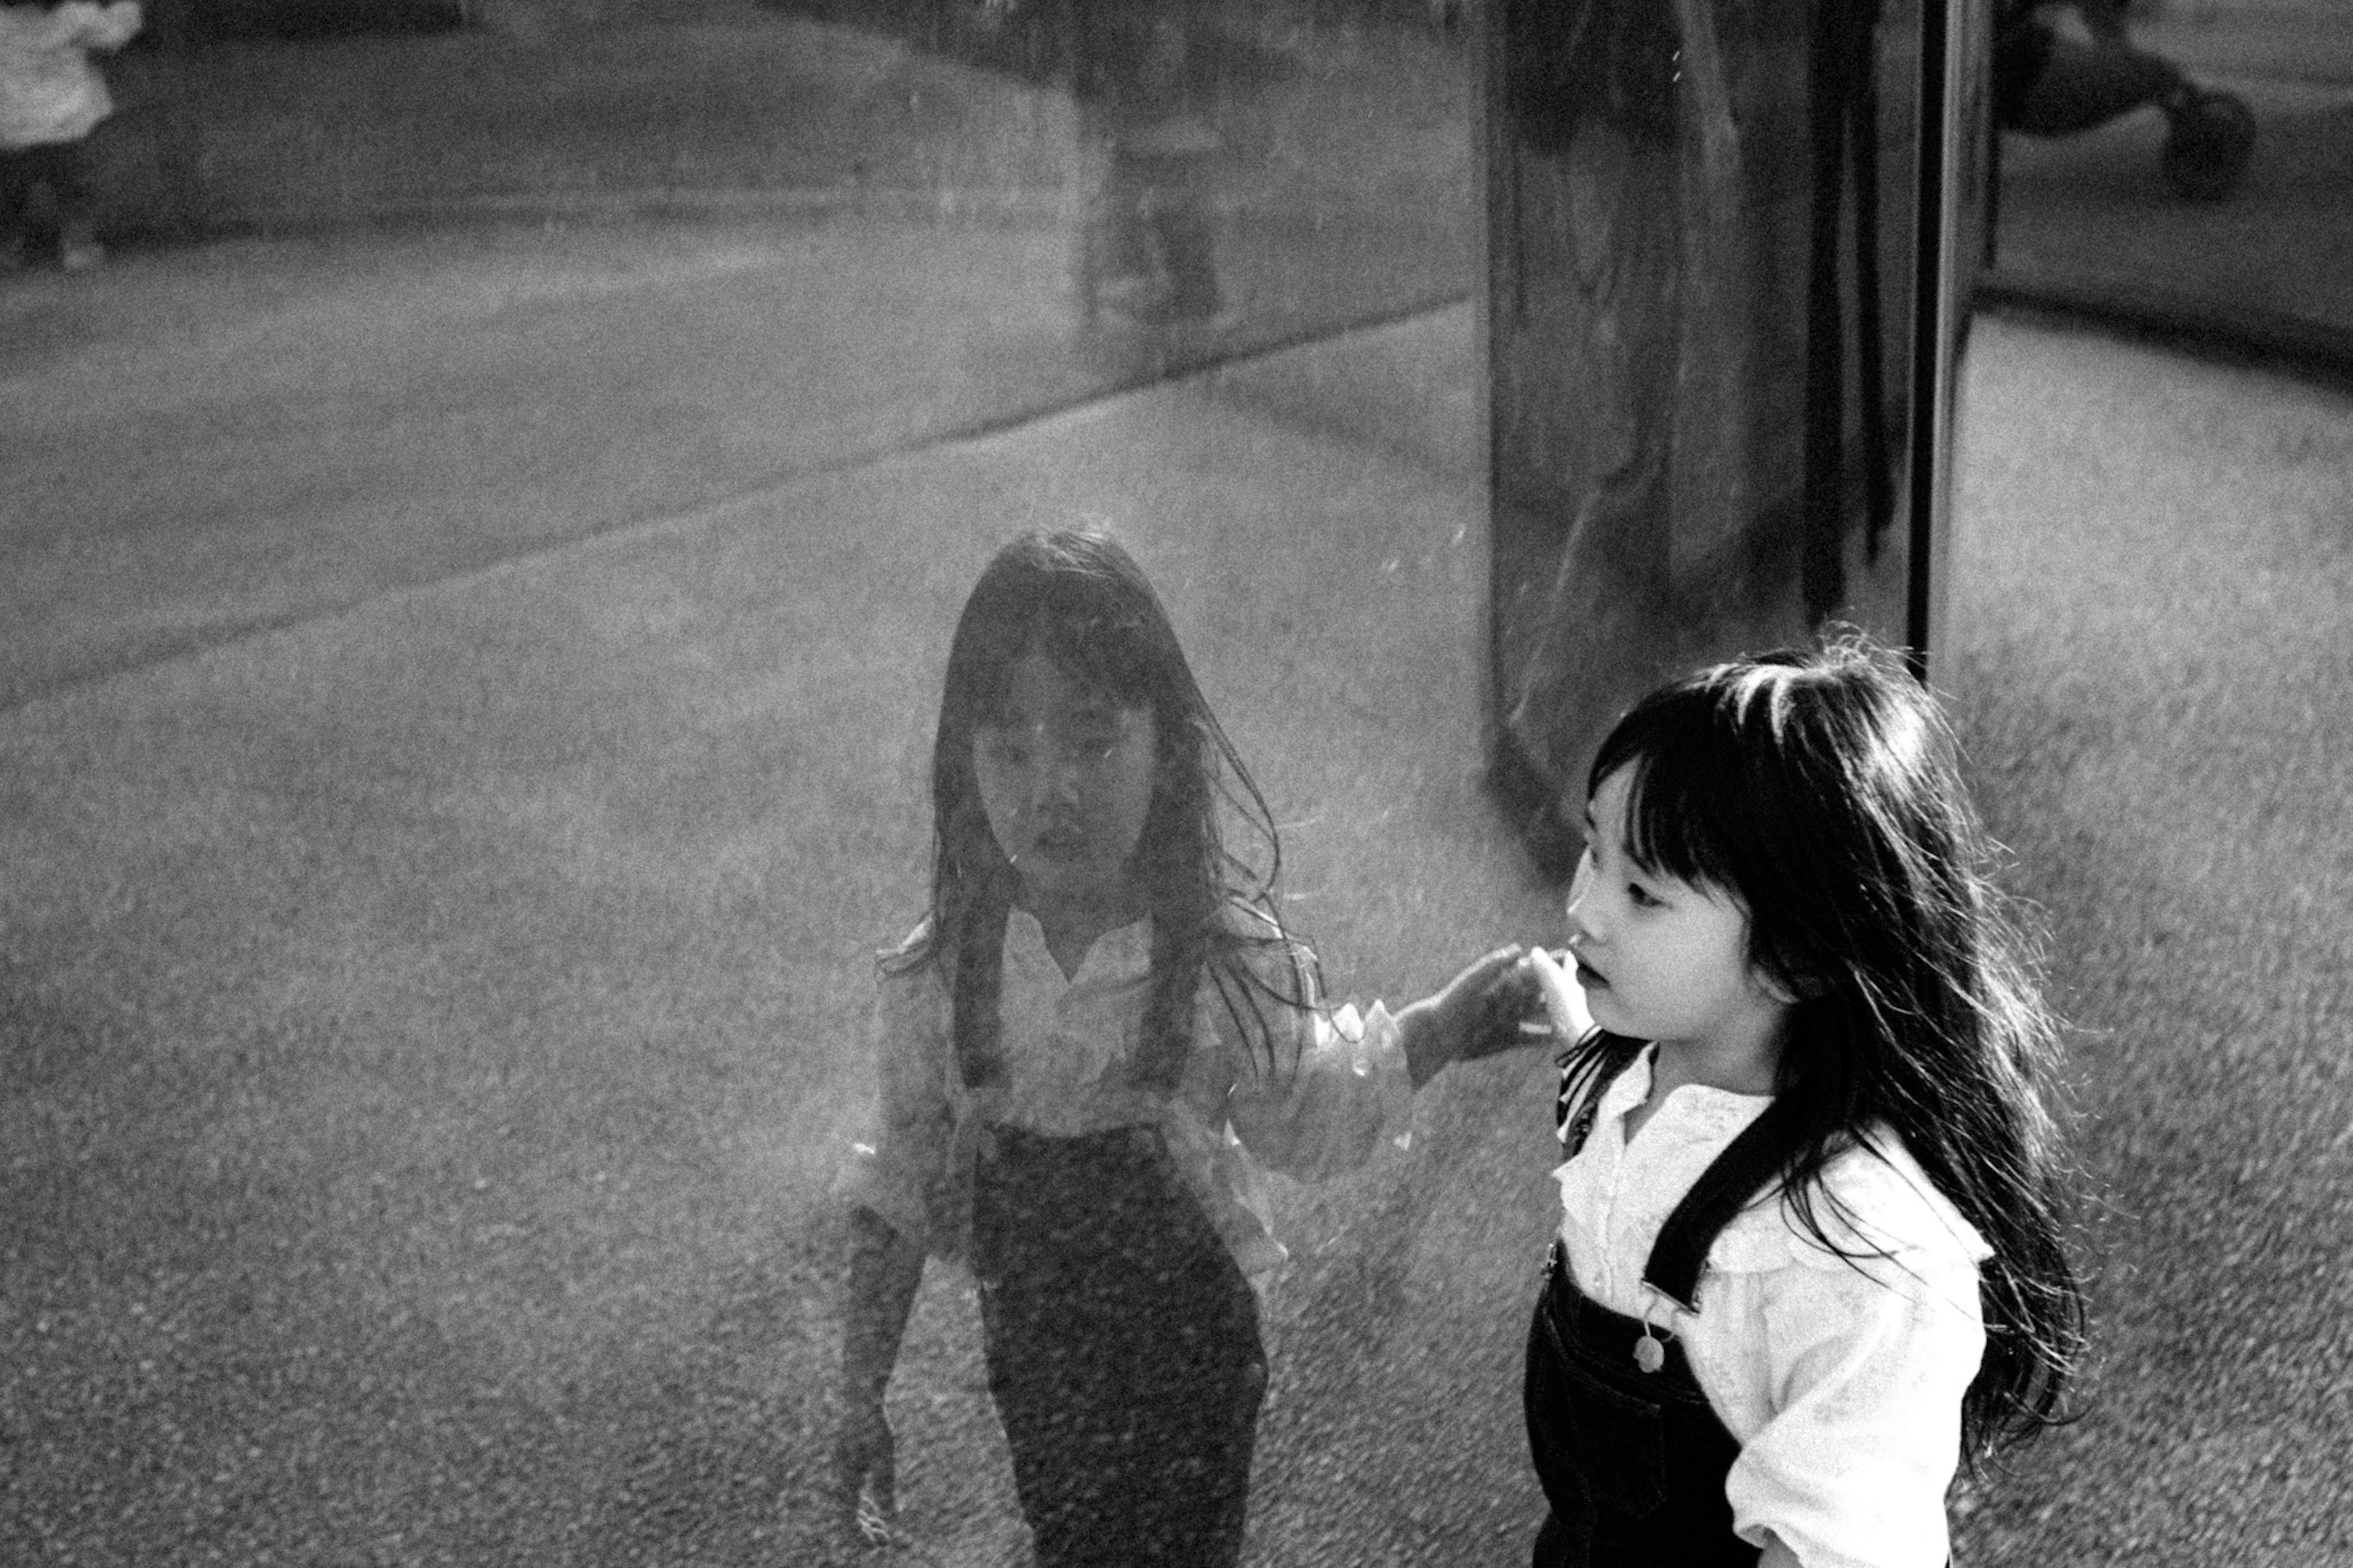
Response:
column 1579, row 917
column 1579, row 906
column 1057, row 779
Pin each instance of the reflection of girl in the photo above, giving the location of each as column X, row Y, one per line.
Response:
column 1099, row 1017
column 1808, row 1251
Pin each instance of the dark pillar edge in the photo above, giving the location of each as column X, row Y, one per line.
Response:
column 1934, row 342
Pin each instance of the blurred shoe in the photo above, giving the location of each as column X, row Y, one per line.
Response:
column 1217, row 323
column 78, row 252
column 2211, row 140
column 1136, row 297
column 1193, row 296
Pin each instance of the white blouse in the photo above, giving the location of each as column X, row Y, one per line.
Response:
column 1841, row 1381
column 1063, row 1037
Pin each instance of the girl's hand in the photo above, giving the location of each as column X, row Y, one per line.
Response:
column 865, row 1458
column 1476, row 1014
column 1563, row 998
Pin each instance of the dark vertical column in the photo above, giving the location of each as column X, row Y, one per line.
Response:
column 1957, row 172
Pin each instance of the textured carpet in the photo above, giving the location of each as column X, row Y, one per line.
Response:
column 2154, row 614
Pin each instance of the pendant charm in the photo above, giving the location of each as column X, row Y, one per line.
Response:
column 1649, row 1353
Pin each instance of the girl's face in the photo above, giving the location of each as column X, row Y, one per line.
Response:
column 1661, row 959
column 1066, row 779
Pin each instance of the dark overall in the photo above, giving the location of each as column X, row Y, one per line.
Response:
column 1123, row 1347
column 1633, row 1462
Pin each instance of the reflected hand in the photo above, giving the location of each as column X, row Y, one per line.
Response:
column 865, row 1458
column 1486, row 1002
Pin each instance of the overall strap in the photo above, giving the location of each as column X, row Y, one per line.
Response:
column 975, row 982
column 1723, row 1190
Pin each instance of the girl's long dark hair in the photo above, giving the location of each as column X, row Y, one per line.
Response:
column 1823, row 790
column 1079, row 599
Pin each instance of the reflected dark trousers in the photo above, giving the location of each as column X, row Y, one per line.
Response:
column 1123, row 1347
column 63, row 166
column 1633, row 1463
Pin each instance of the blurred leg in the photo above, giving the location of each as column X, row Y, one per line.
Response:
column 2085, row 84
column 1177, row 208
column 16, row 198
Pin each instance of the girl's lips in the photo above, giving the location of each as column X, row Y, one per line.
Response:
column 1589, row 977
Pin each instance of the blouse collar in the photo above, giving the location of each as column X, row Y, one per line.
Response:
column 1707, row 1108
column 1119, row 954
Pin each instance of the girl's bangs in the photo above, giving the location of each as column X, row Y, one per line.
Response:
column 1100, row 654
column 1109, row 655
column 1679, row 810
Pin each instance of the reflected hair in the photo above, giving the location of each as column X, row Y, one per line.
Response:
column 1822, row 791
column 1079, row 600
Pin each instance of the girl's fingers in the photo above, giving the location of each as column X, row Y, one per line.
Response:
column 1489, row 968
column 1564, row 1001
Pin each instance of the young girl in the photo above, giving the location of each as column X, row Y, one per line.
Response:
column 1101, row 1015
column 1809, row 1251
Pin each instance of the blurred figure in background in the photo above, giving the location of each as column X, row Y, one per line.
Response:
column 1146, row 255
column 51, row 99
column 2047, row 81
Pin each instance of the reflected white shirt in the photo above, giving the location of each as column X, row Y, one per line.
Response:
column 1841, row 1381
column 1063, row 1037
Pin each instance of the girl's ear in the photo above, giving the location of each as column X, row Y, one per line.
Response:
column 1787, row 991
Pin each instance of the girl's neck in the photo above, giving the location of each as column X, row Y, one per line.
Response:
column 1072, row 927
column 1675, row 1065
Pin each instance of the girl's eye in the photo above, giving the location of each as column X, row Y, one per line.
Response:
column 1642, row 898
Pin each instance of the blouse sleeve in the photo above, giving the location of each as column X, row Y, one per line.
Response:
column 1866, row 1362
column 905, row 1156
column 1335, row 1086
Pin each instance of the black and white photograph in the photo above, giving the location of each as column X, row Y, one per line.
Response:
column 1175, row 783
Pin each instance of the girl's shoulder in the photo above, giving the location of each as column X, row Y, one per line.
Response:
column 1871, row 1203
column 911, row 998
column 1251, row 932
column 1249, row 922
column 914, row 941
column 911, row 969
column 910, row 952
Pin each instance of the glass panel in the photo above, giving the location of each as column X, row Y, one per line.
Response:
column 473, row 625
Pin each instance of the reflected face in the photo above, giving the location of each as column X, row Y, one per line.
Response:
column 1659, row 958
column 1066, row 779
